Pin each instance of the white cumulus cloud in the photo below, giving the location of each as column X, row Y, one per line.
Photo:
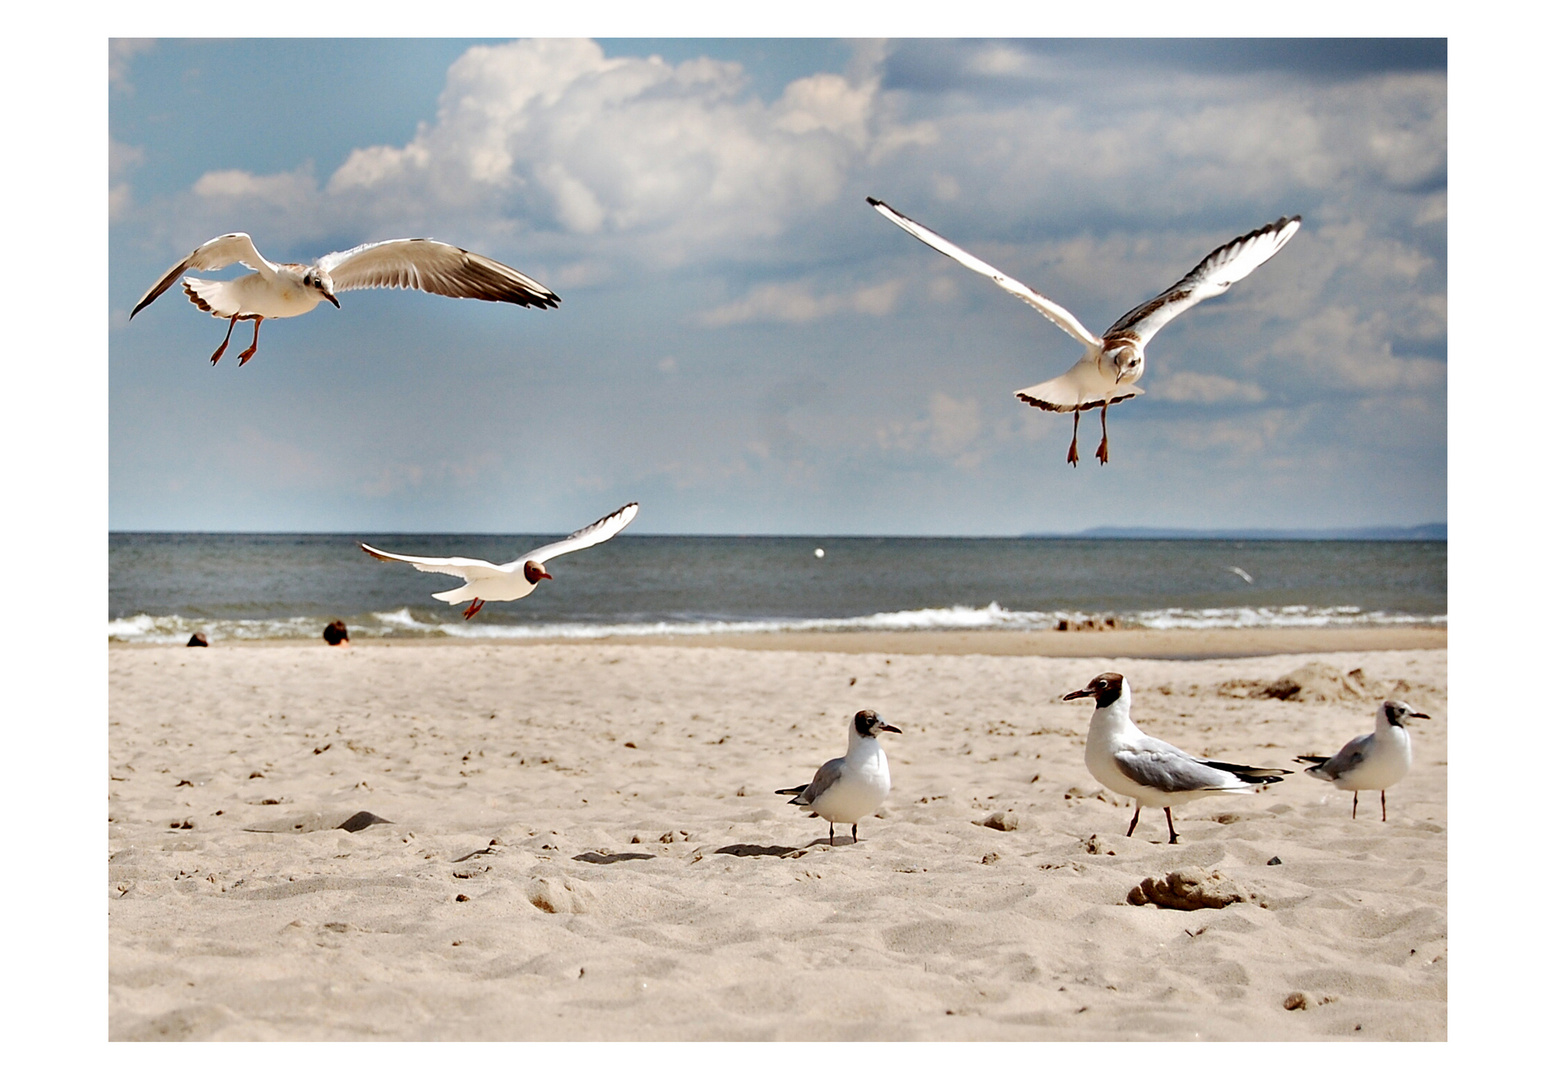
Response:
column 551, row 137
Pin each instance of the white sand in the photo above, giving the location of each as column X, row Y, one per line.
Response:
column 932, row 927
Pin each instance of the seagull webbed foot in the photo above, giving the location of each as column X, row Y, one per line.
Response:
column 248, row 354
column 222, row 348
column 475, row 605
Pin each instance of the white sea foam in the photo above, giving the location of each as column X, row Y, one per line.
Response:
column 176, row 629
column 403, row 622
column 134, row 628
column 1298, row 615
column 403, row 619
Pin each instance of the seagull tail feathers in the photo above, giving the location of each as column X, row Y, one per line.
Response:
column 1251, row 773
column 1319, row 766
column 1064, row 394
column 456, row 596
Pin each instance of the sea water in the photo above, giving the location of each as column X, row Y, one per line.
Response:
column 162, row 587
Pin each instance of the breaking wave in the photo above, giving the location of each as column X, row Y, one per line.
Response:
column 406, row 623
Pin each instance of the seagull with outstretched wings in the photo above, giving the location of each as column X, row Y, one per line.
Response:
column 1112, row 364
column 283, row 290
column 485, row 581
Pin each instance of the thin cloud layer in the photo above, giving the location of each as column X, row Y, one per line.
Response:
column 801, row 302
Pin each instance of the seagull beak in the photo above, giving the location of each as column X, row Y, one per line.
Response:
column 890, row 727
column 547, row 576
column 331, row 298
column 1087, row 692
column 1419, row 716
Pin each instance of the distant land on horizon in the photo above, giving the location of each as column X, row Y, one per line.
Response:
column 1436, row 530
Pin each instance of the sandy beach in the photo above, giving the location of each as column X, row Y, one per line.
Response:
column 580, row 842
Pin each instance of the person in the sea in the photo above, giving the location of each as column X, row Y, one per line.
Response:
column 335, row 633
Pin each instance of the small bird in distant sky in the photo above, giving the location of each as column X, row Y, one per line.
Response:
column 1113, row 363
column 511, row 581
column 1372, row 762
column 282, row 290
column 854, row 785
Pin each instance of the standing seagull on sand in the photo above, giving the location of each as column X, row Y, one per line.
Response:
column 853, row 786
column 281, row 290
column 1113, row 363
column 1372, row 762
column 1150, row 771
column 511, row 581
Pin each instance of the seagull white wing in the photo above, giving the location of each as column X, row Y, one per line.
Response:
column 1081, row 387
column 586, row 537
column 223, row 251
column 435, row 268
column 1160, row 765
column 1351, row 755
column 1065, row 321
column 826, row 776
column 455, row 566
column 1217, row 272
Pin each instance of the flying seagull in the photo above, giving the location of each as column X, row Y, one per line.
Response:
column 511, row 581
column 853, row 786
column 1113, row 363
column 1148, row 770
column 1373, row 762
column 281, row 290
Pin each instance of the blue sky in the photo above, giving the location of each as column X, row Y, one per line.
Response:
column 742, row 345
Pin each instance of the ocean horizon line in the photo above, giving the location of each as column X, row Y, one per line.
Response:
column 1430, row 531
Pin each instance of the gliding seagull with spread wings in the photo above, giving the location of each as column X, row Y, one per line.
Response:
column 1113, row 363
column 282, row 290
column 511, row 581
